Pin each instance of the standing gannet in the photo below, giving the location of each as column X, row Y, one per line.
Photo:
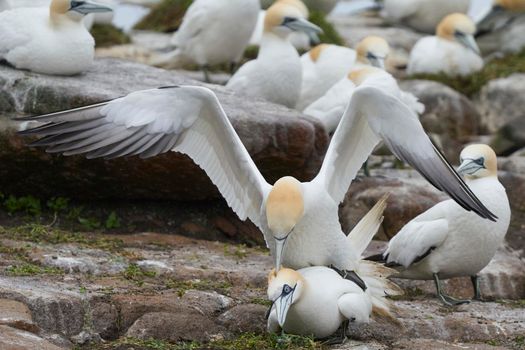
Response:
column 329, row 109
column 212, row 32
column 500, row 24
column 447, row 241
column 301, row 216
column 276, row 74
column 317, row 300
column 49, row 40
column 453, row 51
column 325, row 65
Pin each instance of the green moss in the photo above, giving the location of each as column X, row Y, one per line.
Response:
column 470, row 85
column 261, row 301
column 182, row 287
column 108, row 35
column 238, row 252
column 246, row 341
column 330, row 34
column 29, row 269
column 40, row 233
column 165, row 17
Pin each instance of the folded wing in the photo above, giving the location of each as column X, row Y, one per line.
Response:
column 146, row 123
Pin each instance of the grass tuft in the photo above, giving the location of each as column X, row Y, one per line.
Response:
column 106, row 35
column 165, row 17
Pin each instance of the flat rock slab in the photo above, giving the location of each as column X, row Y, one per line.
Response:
column 281, row 141
column 16, row 339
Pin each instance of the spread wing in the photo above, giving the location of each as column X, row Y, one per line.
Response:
column 186, row 119
column 375, row 115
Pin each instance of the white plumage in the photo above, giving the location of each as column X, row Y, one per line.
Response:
column 447, row 241
column 213, row 32
column 49, row 41
column 453, row 51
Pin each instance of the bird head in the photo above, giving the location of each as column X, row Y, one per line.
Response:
column 511, row 5
column 284, row 289
column 478, row 161
column 284, row 209
column 76, row 10
column 373, row 50
column 283, row 18
column 459, row 28
column 316, row 52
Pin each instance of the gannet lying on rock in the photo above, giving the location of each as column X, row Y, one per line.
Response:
column 325, row 65
column 317, row 300
column 276, row 74
column 299, row 220
column 452, row 51
column 49, row 40
column 447, row 241
column 500, row 24
column 212, row 32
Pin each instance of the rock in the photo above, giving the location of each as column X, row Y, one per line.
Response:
column 285, row 143
column 16, row 315
column 515, row 185
column 16, row 339
column 208, row 303
column 450, row 117
column 158, row 267
column 501, row 100
column 509, row 138
column 410, row 195
column 432, row 344
column 245, row 318
column 174, row 327
column 104, row 317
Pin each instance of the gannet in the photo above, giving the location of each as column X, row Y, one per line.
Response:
column 276, row 74
column 325, row 65
column 330, row 108
column 447, row 241
column 500, row 24
column 301, row 216
column 422, row 15
column 212, row 32
column 49, row 40
column 453, row 51
column 317, row 300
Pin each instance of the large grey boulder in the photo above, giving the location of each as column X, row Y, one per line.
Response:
column 281, row 141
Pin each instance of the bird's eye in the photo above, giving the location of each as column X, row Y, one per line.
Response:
column 480, row 161
column 288, row 20
column 459, row 34
column 287, row 289
column 371, row 56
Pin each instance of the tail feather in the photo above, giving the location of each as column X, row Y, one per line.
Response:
column 169, row 60
column 365, row 230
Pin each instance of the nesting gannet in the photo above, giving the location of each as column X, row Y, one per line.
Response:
column 330, row 108
column 212, row 32
column 453, row 51
column 422, row 15
column 500, row 24
column 276, row 74
column 447, row 241
column 325, row 65
column 303, row 217
column 317, row 300
column 49, row 40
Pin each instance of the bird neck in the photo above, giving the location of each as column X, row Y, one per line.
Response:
column 60, row 19
column 272, row 43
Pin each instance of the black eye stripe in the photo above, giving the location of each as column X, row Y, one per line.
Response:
column 289, row 20
column 287, row 289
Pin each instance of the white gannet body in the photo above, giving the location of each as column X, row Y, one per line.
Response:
column 453, row 51
column 299, row 220
column 446, row 241
column 317, row 300
column 213, row 32
column 329, row 109
column 276, row 74
column 49, row 40
column 500, row 24
column 422, row 15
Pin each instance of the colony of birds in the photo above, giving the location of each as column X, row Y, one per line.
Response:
column 320, row 279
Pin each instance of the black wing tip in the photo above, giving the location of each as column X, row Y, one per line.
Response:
column 379, row 258
column 169, row 87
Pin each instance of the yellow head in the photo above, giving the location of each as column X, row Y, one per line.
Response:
column 283, row 18
column 284, row 289
column 298, row 4
column 511, row 5
column 478, row 161
column 459, row 28
column 284, row 209
column 373, row 50
column 316, row 52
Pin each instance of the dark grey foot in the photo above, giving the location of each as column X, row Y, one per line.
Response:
column 366, row 169
column 447, row 300
column 477, row 290
column 338, row 339
column 205, row 69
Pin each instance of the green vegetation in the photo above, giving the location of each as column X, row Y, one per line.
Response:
column 27, row 204
column 165, row 17
column 108, row 35
column 261, row 301
column 30, row 269
column 470, row 85
column 329, row 35
column 240, row 251
column 135, row 274
column 247, row 341
column 182, row 287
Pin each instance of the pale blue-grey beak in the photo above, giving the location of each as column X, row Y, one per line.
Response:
column 282, row 306
column 469, row 167
column 87, row 7
column 468, row 41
